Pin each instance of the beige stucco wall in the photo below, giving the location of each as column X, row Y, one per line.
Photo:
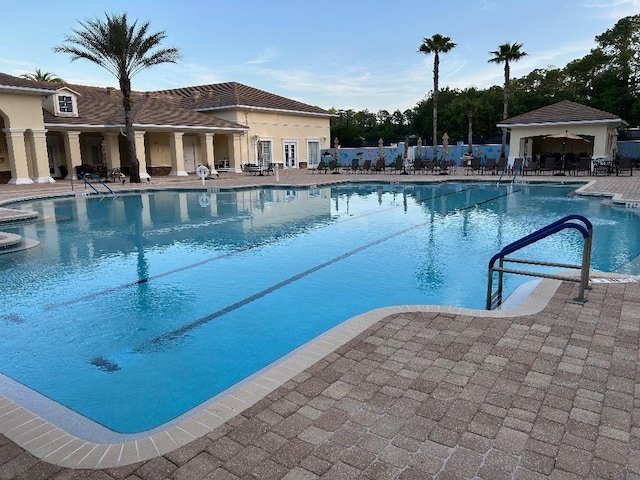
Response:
column 158, row 149
column 599, row 134
column 21, row 111
column 279, row 127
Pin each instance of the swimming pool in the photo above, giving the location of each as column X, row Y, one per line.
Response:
column 137, row 308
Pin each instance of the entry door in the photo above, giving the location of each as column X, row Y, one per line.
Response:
column 189, row 153
column 53, row 150
column 290, row 154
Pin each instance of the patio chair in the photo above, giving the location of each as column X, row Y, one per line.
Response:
column 517, row 165
column 532, row 167
column 583, row 165
column 353, row 168
column 418, row 165
column 491, row 166
column 476, row 165
column 322, row 167
column 397, row 165
column 548, row 165
column 333, row 166
column 502, row 166
column 624, row 165
column 366, row 166
column 379, row 166
column 430, row 166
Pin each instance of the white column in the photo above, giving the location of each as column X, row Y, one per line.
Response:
column 17, row 151
column 177, row 155
column 40, row 156
column 206, row 141
column 72, row 152
column 141, row 152
column 236, row 156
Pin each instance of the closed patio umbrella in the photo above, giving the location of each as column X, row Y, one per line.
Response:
column 445, row 145
column 381, row 148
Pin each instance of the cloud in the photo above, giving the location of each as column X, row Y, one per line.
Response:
column 615, row 9
column 266, row 56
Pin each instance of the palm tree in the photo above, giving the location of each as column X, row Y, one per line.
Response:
column 40, row 76
column 436, row 44
column 506, row 53
column 123, row 49
column 470, row 97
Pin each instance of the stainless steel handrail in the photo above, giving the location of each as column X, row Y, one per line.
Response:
column 494, row 299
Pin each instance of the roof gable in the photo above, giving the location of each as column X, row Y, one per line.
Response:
column 565, row 111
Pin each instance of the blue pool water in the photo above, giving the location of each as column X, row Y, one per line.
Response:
column 137, row 308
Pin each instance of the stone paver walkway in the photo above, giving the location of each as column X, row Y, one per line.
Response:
column 434, row 395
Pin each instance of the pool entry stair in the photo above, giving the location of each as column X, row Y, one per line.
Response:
column 517, row 167
column 86, row 177
column 494, row 298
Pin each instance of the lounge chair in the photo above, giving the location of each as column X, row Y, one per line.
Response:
column 517, row 165
column 533, row 167
column 333, row 166
column 353, row 168
column 397, row 165
column 548, row 165
column 322, row 167
column 624, row 165
column 502, row 165
column 476, row 165
column 379, row 166
column 430, row 166
column 366, row 166
column 417, row 165
column 491, row 166
column 583, row 165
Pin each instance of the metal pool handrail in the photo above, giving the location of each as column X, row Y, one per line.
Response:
column 494, row 299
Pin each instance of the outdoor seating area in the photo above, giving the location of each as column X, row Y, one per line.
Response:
column 255, row 169
column 489, row 166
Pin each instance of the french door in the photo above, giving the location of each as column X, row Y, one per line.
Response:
column 290, row 154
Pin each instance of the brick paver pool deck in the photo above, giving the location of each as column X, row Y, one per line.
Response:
column 550, row 389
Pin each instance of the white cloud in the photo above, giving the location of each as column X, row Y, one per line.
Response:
column 615, row 9
column 266, row 56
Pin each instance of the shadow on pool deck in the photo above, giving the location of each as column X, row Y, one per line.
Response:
column 433, row 394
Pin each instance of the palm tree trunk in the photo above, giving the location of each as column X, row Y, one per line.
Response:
column 134, row 173
column 470, row 134
column 505, row 110
column 436, row 65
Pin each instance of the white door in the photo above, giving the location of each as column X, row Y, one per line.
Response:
column 290, row 154
column 189, row 153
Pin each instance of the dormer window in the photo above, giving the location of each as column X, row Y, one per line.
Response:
column 65, row 104
column 62, row 103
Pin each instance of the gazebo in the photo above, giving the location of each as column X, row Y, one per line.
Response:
column 563, row 128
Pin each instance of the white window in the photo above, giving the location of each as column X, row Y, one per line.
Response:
column 313, row 153
column 264, row 152
column 65, row 103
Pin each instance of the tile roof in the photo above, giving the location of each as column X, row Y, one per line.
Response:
column 561, row 112
column 102, row 107
column 222, row 96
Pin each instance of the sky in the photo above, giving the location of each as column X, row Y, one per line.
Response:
column 345, row 54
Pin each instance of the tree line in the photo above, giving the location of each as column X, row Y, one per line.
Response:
column 607, row 78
